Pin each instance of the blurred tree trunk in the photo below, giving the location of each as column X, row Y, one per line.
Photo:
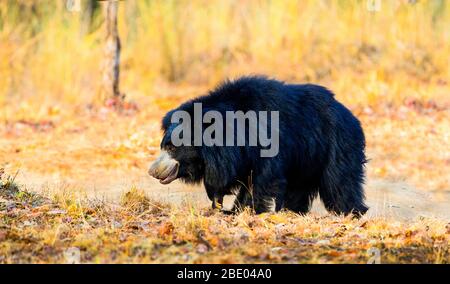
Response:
column 87, row 16
column 111, row 68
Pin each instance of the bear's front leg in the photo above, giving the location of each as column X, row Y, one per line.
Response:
column 268, row 196
column 264, row 204
column 215, row 195
column 242, row 200
column 217, row 202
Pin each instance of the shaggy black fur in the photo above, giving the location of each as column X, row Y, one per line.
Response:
column 321, row 150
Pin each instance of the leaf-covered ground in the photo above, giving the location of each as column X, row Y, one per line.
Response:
column 46, row 229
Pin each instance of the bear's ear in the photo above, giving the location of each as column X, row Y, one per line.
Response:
column 221, row 165
column 165, row 123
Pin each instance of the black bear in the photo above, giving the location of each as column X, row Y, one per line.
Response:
column 319, row 147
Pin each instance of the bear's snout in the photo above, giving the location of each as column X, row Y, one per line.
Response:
column 164, row 168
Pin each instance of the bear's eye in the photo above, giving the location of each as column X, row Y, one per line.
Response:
column 170, row 147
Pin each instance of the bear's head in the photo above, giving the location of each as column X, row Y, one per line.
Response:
column 183, row 162
column 182, row 158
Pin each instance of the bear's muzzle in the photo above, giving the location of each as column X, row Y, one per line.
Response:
column 164, row 168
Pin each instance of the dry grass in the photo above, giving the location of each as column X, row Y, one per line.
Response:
column 37, row 229
column 397, row 53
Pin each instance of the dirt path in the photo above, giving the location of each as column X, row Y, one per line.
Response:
column 385, row 198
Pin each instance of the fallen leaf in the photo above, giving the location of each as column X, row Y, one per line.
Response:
column 165, row 229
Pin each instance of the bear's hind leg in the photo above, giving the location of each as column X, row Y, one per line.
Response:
column 343, row 193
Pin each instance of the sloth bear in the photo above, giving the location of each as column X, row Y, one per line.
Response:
column 319, row 147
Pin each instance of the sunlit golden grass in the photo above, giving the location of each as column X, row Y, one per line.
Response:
column 367, row 57
column 39, row 229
